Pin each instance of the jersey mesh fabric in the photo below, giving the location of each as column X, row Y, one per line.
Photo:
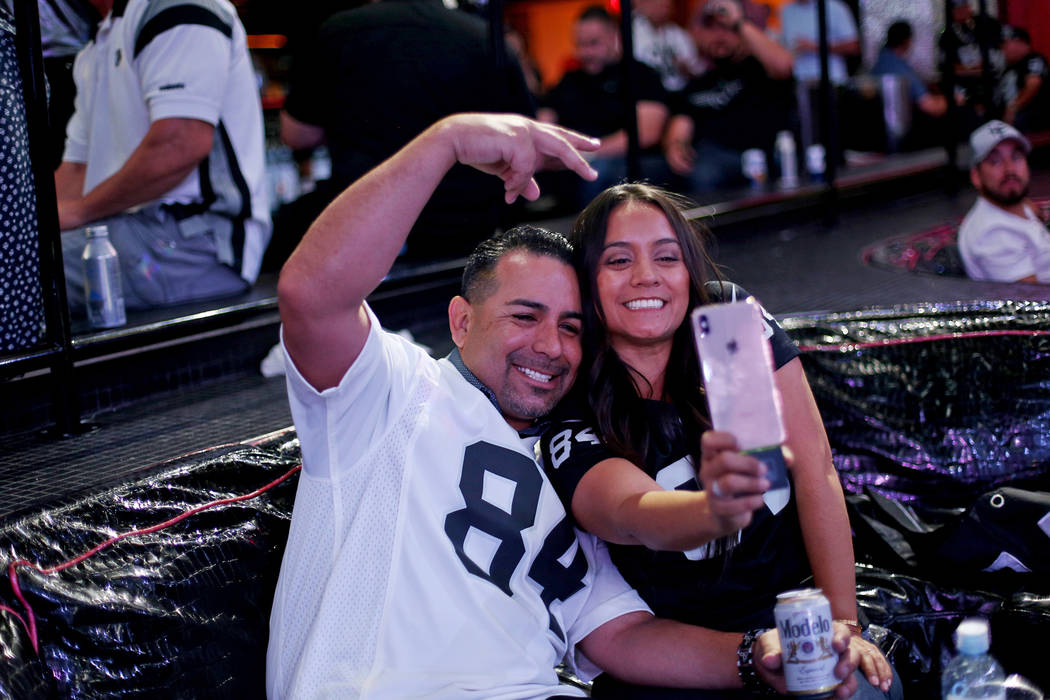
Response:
column 352, row 520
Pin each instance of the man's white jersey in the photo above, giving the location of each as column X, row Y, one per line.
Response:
column 428, row 554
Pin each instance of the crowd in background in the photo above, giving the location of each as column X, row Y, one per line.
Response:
column 717, row 78
column 713, row 80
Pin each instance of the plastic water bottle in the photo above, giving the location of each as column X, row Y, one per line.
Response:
column 785, row 147
column 973, row 673
column 102, row 290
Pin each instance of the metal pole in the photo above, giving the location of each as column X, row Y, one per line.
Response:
column 497, row 43
column 64, row 387
column 987, row 70
column 634, row 151
column 954, row 115
column 828, row 122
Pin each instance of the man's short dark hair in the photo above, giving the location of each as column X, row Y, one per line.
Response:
column 1019, row 33
column 597, row 12
column 479, row 274
column 898, row 34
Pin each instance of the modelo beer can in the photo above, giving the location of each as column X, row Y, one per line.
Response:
column 803, row 620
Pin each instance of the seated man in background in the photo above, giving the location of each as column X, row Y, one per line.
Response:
column 1023, row 92
column 1003, row 238
column 428, row 554
column 799, row 29
column 893, row 60
column 165, row 147
column 740, row 103
column 663, row 45
column 960, row 52
column 375, row 77
column 590, row 100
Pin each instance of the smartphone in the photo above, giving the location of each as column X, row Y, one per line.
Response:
column 736, row 361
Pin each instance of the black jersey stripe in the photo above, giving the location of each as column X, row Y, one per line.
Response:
column 242, row 189
column 176, row 16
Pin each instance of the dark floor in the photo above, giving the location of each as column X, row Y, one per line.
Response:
column 794, row 263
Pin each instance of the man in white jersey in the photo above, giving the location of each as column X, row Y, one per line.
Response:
column 428, row 554
column 1003, row 237
column 165, row 147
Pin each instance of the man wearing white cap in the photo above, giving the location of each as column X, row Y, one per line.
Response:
column 1003, row 238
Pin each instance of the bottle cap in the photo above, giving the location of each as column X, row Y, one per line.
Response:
column 96, row 231
column 972, row 636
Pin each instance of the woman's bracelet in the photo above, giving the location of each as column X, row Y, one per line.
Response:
column 853, row 625
column 745, row 664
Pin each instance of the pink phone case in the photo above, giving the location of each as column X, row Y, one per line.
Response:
column 737, row 365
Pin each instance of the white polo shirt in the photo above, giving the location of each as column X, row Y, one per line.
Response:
column 158, row 59
column 999, row 246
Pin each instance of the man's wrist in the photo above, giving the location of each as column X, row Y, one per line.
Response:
column 745, row 664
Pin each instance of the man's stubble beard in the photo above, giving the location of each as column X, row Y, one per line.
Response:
column 1005, row 200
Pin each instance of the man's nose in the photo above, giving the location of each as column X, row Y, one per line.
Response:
column 548, row 340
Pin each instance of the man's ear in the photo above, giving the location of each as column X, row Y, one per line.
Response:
column 460, row 316
column 975, row 178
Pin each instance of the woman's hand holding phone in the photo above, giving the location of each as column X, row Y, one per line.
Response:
column 734, row 481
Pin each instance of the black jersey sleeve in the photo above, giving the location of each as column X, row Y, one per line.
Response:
column 784, row 349
column 569, row 448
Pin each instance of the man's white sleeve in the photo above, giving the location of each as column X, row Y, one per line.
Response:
column 1005, row 254
column 183, row 73
column 609, row 597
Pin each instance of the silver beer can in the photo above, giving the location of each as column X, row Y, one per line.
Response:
column 804, row 624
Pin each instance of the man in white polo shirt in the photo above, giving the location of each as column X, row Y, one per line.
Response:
column 1003, row 238
column 165, row 147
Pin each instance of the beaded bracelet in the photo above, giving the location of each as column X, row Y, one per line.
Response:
column 745, row 666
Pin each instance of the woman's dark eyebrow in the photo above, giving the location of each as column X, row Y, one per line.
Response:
column 624, row 244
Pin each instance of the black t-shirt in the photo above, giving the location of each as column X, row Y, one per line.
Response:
column 592, row 103
column 737, row 105
column 708, row 587
column 961, row 43
column 1012, row 82
column 377, row 76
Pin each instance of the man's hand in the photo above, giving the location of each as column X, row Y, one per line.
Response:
column 734, row 482
column 515, row 148
column 726, row 12
column 802, row 44
column 680, row 157
column 770, row 666
column 873, row 664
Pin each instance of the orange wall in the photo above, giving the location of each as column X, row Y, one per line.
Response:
column 547, row 28
column 1033, row 16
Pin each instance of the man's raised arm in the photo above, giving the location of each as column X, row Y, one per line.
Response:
column 353, row 243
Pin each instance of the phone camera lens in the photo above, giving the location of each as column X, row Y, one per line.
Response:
column 705, row 325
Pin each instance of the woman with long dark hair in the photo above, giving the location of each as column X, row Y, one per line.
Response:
column 689, row 519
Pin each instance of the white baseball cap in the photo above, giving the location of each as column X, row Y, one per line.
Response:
column 987, row 136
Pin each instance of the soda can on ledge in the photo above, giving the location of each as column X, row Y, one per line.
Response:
column 804, row 624
column 103, row 294
column 753, row 163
